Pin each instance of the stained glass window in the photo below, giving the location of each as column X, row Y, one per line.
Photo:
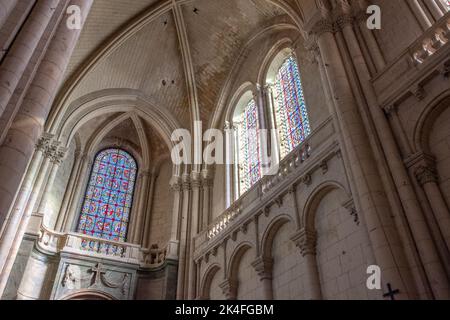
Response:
column 249, row 147
column 290, row 108
column 107, row 204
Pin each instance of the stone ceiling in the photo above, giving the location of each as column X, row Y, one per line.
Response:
column 179, row 56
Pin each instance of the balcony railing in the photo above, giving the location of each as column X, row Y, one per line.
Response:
column 288, row 165
column 80, row 244
column 434, row 39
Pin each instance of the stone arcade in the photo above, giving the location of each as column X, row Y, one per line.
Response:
column 93, row 207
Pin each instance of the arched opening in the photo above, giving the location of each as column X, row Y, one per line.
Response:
column 288, row 110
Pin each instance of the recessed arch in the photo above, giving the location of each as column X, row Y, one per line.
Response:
column 281, row 47
column 427, row 120
column 270, row 232
column 307, row 218
column 235, row 259
column 205, row 286
column 89, row 295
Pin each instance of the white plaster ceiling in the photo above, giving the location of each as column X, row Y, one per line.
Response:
column 154, row 58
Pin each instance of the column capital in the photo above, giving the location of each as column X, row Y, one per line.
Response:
column 186, row 182
column 175, row 184
column 423, row 166
column 58, row 155
column 306, row 241
column 196, row 180
column 324, row 25
column 44, row 142
column 229, row 289
column 426, row 174
column 263, row 267
column 344, row 20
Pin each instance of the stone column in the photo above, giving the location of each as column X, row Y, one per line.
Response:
column 207, row 185
column 419, row 14
column 56, row 160
column 37, row 278
column 141, row 206
column 196, row 184
column 148, row 216
column 306, row 241
column 274, row 136
column 80, row 187
column 28, row 124
column 264, row 267
column 229, row 288
column 6, row 7
column 14, row 228
column 369, row 37
column 374, row 204
column 427, row 177
column 183, row 238
column 18, row 57
column 264, row 139
column 173, row 249
column 417, row 222
column 69, row 194
column 434, row 9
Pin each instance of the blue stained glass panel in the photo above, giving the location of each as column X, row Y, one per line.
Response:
column 106, row 209
column 290, row 108
column 249, row 147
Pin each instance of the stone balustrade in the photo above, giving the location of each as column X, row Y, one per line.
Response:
column 407, row 74
column 291, row 164
column 75, row 243
column 433, row 40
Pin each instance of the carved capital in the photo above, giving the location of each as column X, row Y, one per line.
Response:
column 306, row 241
column 344, row 20
column 263, row 267
column 175, row 184
column 229, row 289
column 322, row 26
column 186, row 182
column 44, row 142
column 418, row 92
column 196, row 180
column 390, row 109
column 58, row 155
column 426, row 174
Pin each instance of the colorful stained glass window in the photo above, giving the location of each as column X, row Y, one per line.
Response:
column 290, row 108
column 106, row 209
column 249, row 147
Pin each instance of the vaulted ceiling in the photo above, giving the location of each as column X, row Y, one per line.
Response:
column 178, row 53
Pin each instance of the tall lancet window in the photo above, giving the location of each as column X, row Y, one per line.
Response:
column 249, row 158
column 107, row 204
column 290, row 109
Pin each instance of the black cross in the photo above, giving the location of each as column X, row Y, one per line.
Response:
column 391, row 293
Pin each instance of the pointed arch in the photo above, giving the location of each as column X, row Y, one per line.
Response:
column 271, row 231
column 205, row 286
column 307, row 218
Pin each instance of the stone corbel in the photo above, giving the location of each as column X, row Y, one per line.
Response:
column 229, row 289
column 350, row 206
column 445, row 71
column 263, row 267
column 306, row 241
column 423, row 167
column 426, row 174
column 419, row 92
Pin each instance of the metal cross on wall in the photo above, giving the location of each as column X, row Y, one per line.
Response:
column 391, row 293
